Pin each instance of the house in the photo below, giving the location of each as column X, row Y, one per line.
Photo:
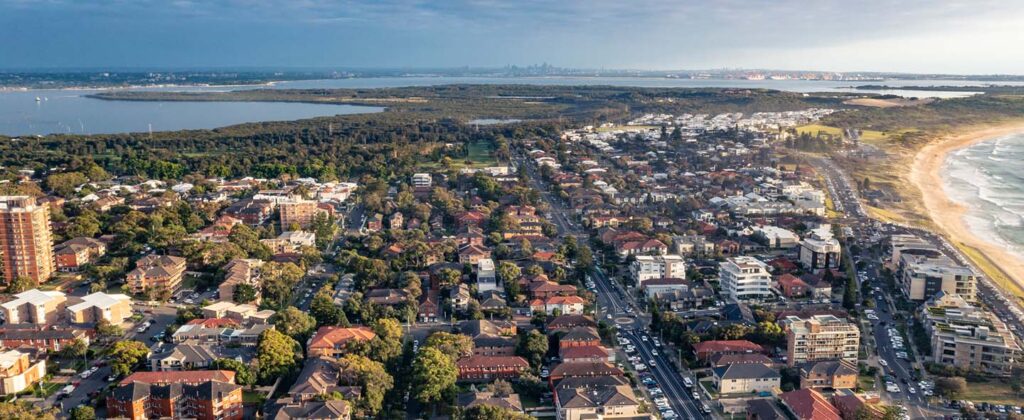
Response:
column 249, row 211
column 34, row 307
column 222, row 336
column 459, row 297
column 194, row 356
column 853, row 406
column 808, row 404
column 745, row 378
column 597, row 401
column 472, row 254
column 831, row 374
column 241, row 312
column 658, row 286
column 764, row 409
column 314, row 410
column 580, row 337
column 488, row 368
column 491, row 338
column 396, row 221
column 386, row 297
column 742, row 358
column 241, row 272
column 592, row 353
column 486, row 277
column 471, row 399
column 202, row 395
column 583, row 370
column 541, row 288
column 99, row 306
column 331, row 341
column 156, row 272
column 18, row 372
column 319, row 377
column 40, row 338
column 72, row 254
column 707, row 349
column 557, row 305
column 792, row 286
column 568, row 322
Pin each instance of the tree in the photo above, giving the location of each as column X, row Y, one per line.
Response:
column 107, row 330
column 323, row 309
column 21, row 284
column 126, row 355
column 75, row 350
column 85, row 224
column 455, row 346
column 433, row 376
column 278, row 281
column 371, row 376
column 245, row 293
column 243, row 374
column 64, row 184
column 893, row 412
column 532, row 346
column 83, row 412
column 850, row 294
column 22, row 410
column 493, row 412
column 950, row 387
column 294, row 323
column 277, row 355
column 388, row 343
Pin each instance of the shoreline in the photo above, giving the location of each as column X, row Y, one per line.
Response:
column 948, row 215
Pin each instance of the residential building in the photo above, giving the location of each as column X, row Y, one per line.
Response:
column 194, row 356
column 290, row 241
column 459, row 297
column 828, row 374
column 331, row 341
column 26, row 242
column 967, row 336
column 156, row 273
column 421, row 180
column 42, row 338
column 315, row 410
column 222, row 336
column 596, row 399
column 495, row 338
column 300, row 212
column 820, row 337
column 764, row 409
column 745, row 378
column 72, row 254
column 201, row 395
column 819, row 250
column 92, row 308
column 792, row 286
column 649, row 267
column 18, row 372
column 658, row 286
column 808, row 404
column 776, row 237
column 923, row 276
column 705, row 350
column 744, row 279
column 486, row 277
column 488, row 368
column 239, row 312
column 580, row 337
column 239, row 272
column 560, row 305
column 34, row 307
column 472, row 399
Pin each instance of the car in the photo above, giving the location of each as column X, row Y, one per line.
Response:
column 111, row 378
column 609, row 316
column 651, row 363
column 654, row 352
column 705, row 409
column 696, row 395
column 883, row 363
column 687, row 382
column 643, row 337
column 912, row 390
column 544, row 373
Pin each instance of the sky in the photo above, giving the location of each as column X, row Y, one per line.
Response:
column 916, row 36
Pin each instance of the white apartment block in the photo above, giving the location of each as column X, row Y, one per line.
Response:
column 820, row 250
column 820, row 337
column 648, row 267
column 923, row 276
column 745, row 278
column 967, row 336
column 422, row 180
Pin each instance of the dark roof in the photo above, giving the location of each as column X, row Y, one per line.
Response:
column 314, row 410
column 764, row 409
column 828, row 368
column 746, row 371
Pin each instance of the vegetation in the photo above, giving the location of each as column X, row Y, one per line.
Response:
column 126, row 356
column 277, row 355
column 433, row 375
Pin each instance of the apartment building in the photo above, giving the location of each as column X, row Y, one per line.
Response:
column 967, row 336
column 745, row 278
column 202, row 395
column 71, row 255
column 649, row 267
column 820, row 337
column 19, row 373
column 300, row 212
column 922, row 276
column 26, row 242
column 98, row 306
column 156, row 272
column 240, row 272
column 34, row 307
column 423, row 180
column 819, row 250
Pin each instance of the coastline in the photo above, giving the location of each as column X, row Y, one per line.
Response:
column 948, row 215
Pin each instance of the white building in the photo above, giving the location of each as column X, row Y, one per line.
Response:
column 924, row 276
column 648, row 267
column 34, row 307
column 422, row 180
column 486, row 278
column 777, row 237
column 820, row 250
column 745, row 278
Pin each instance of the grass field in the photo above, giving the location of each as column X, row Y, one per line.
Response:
column 814, row 129
column 866, row 382
column 990, row 269
column 479, row 155
column 993, row 392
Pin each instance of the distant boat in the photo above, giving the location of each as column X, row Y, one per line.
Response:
column 38, row 100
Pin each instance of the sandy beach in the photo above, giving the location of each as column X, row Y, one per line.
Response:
column 948, row 215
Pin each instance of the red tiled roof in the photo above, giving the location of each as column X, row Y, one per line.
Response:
column 214, row 322
column 184, row 376
column 588, row 352
column 726, row 346
column 493, row 361
column 808, row 404
column 329, row 337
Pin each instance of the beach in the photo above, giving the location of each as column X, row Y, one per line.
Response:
column 948, row 215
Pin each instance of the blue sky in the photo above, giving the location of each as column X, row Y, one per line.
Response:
column 979, row 36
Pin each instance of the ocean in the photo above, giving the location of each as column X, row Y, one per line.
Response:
column 988, row 179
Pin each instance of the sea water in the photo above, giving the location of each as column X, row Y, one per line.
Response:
column 988, row 178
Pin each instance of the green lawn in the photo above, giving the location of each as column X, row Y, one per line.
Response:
column 995, row 391
column 866, row 382
column 252, row 397
column 479, row 155
column 47, row 389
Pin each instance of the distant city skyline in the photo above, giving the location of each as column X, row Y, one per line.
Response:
column 917, row 36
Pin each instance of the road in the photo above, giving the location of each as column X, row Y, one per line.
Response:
column 613, row 300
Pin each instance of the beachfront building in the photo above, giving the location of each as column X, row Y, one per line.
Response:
column 745, row 278
column 820, row 337
column 819, row 250
column 969, row 337
column 922, row 276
